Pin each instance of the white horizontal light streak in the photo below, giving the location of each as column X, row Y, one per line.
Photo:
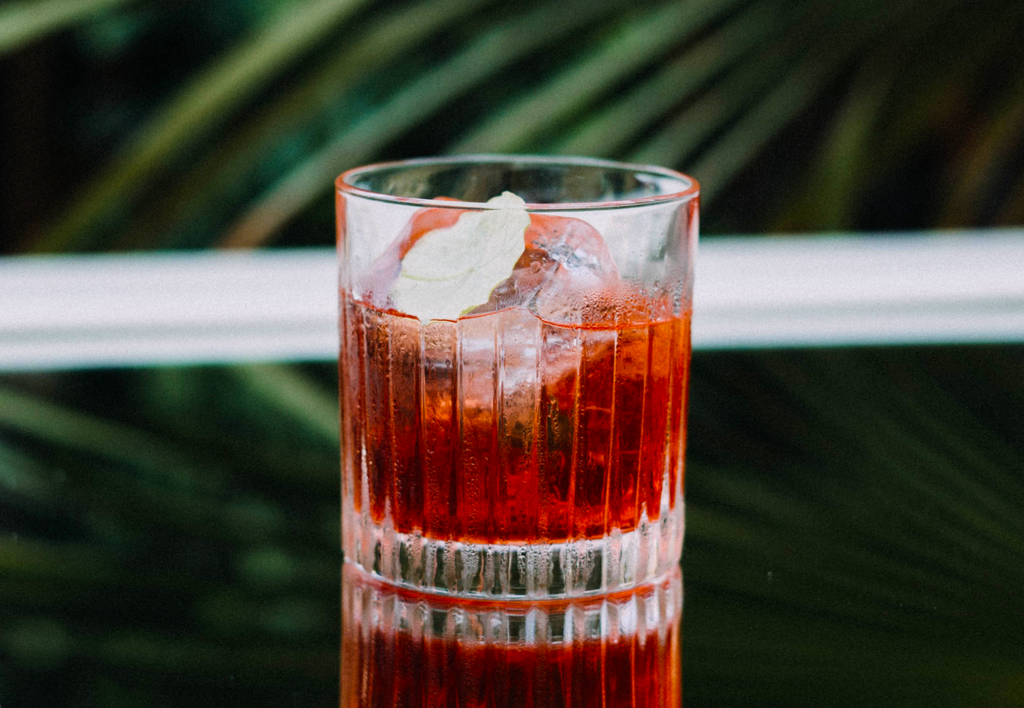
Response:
column 951, row 287
column 60, row 312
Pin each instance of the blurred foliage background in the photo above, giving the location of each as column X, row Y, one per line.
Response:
column 132, row 124
column 169, row 536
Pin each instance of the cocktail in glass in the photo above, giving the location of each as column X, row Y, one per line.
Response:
column 515, row 348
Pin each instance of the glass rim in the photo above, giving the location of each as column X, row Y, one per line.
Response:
column 344, row 182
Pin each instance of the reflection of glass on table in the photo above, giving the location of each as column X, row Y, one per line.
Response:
column 401, row 647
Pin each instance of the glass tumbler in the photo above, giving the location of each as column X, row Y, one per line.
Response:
column 514, row 369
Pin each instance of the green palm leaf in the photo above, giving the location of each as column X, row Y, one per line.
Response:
column 230, row 163
column 199, row 106
column 488, row 54
column 664, row 86
column 24, row 22
column 612, row 129
column 639, row 42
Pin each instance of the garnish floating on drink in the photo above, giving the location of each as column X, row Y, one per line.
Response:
column 452, row 262
column 451, row 269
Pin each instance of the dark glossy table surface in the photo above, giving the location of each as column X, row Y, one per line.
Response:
column 855, row 532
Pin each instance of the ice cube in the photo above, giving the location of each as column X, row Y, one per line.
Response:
column 565, row 270
column 565, row 274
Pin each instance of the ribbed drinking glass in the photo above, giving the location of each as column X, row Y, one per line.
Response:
column 514, row 366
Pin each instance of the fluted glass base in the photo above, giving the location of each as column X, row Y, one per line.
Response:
column 569, row 569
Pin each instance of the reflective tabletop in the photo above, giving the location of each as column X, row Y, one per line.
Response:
column 854, row 532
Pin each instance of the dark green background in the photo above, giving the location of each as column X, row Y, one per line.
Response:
column 854, row 533
column 170, row 537
column 147, row 125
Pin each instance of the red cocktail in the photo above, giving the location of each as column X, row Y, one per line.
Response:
column 529, row 441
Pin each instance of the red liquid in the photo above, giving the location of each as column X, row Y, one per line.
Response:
column 390, row 658
column 504, row 427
